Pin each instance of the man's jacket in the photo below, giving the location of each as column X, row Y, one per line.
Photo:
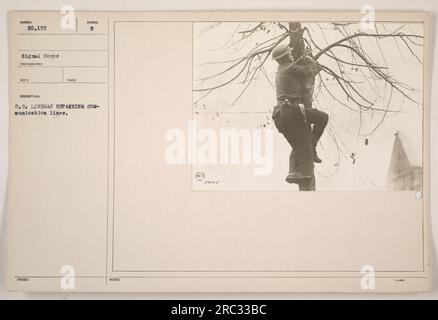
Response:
column 289, row 79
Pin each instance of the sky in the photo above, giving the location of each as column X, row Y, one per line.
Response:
column 346, row 133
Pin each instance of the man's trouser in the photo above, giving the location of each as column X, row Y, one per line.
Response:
column 300, row 134
column 290, row 121
column 319, row 121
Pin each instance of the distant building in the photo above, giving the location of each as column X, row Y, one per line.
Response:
column 406, row 167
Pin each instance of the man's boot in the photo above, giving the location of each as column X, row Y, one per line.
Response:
column 315, row 156
column 297, row 177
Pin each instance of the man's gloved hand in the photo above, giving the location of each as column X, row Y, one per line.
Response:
column 312, row 64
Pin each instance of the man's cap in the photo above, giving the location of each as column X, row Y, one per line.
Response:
column 280, row 51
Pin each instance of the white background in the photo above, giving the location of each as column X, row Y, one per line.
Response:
column 144, row 5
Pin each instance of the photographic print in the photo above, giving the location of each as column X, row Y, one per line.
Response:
column 167, row 151
column 310, row 106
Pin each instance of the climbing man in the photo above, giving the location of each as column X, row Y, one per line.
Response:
column 301, row 125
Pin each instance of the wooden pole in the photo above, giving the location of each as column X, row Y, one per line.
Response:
column 303, row 159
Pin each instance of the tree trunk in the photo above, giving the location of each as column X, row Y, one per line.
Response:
column 307, row 168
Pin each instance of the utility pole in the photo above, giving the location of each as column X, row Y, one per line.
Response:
column 303, row 160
